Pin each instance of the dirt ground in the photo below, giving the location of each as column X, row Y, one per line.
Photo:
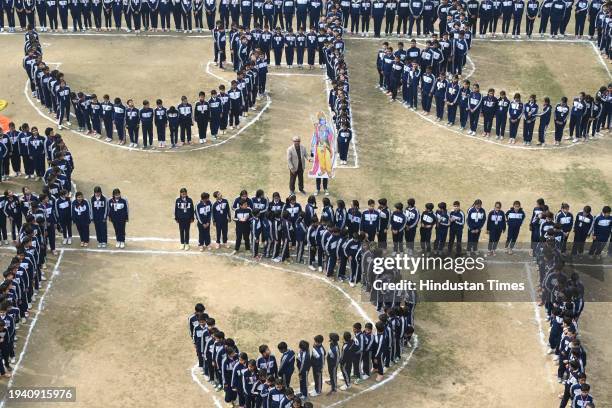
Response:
column 120, row 320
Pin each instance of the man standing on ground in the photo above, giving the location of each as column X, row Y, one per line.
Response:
column 296, row 160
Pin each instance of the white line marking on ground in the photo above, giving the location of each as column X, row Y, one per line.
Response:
column 33, row 323
column 601, row 60
column 537, row 317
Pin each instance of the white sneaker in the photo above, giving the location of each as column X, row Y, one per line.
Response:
column 69, row 241
column 118, row 244
column 312, row 268
column 187, row 247
column 344, row 387
column 122, row 245
column 314, row 393
column 201, row 141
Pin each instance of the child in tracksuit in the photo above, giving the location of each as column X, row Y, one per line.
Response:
column 476, row 219
column 64, row 216
column 81, row 215
column 119, row 216
column 99, row 211
column 317, row 360
column 398, row 224
column 303, row 366
column 496, row 225
column 442, row 225
column 203, row 214
column 428, row 220
column 221, row 217
column 514, row 219
column 243, row 216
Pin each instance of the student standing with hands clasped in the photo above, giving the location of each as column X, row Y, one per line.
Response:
column 184, row 216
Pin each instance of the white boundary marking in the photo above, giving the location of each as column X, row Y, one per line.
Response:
column 601, row 60
column 538, row 317
column 33, row 323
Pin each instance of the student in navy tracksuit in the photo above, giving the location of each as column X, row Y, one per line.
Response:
column 132, row 122
column 36, row 153
column 185, row 120
column 474, row 107
column 81, row 216
column 118, row 213
column 515, row 111
column 601, row 232
column 428, row 221
column 439, row 93
column 496, row 225
column 221, row 217
column 303, row 365
column 412, row 221
column 451, row 100
column 442, row 226
column 582, row 229
column 215, row 111
column 530, row 112
column 173, row 126
column 565, row 219
column 476, row 219
column 464, row 98
column 119, row 114
column 242, row 216
column 161, row 122
column 184, row 216
column 545, row 116
column 427, row 82
column 561, row 113
column 489, row 108
column 398, row 224
column 515, row 217
column 201, row 115
column 370, row 221
column 577, row 111
column 64, row 216
column 99, row 212
column 558, row 10
column 501, row 115
column 457, row 221
column 286, row 365
column 146, row 116
column 203, row 214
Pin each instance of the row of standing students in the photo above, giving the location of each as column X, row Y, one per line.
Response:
column 586, row 116
column 331, row 238
column 563, row 298
column 366, row 350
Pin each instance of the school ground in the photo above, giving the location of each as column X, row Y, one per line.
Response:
column 114, row 324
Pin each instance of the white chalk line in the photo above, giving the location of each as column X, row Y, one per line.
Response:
column 601, row 60
column 33, row 323
column 537, row 317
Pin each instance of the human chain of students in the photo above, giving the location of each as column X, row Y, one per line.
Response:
column 413, row 71
column 154, row 15
column 270, row 228
column 220, row 110
column 266, row 382
column 562, row 296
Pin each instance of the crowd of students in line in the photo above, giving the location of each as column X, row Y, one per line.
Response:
column 424, row 16
column 413, row 72
column 223, row 108
column 367, row 349
column 318, row 232
column 562, row 295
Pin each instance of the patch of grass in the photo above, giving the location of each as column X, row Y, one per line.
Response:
column 248, row 320
column 582, row 181
column 74, row 330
